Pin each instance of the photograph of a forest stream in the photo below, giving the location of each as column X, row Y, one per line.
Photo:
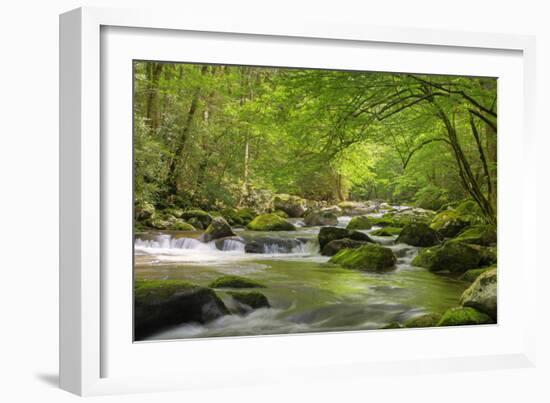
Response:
column 275, row 201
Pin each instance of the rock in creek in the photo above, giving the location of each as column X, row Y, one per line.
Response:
column 327, row 234
column 482, row 294
column 418, row 234
column 294, row 206
column 159, row 304
column 270, row 222
column 320, row 217
column 368, row 257
column 333, row 247
column 218, row 228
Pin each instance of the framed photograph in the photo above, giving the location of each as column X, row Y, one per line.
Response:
column 242, row 202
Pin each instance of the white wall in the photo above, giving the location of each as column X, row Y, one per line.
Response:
column 29, row 212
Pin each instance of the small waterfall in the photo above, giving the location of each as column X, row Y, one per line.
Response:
column 232, row 245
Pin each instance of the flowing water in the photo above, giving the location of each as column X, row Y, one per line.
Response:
column 306, row 293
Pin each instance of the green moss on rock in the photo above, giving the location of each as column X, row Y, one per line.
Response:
column 162, row 303
column 320, row 217
column 270, row 222
column 183, row 226
column 327, row 234
column 464, row 316
column 198, row 218
column 218, row 228
column 448, row 223
column 418, row 234
column 333, row 247
column 360, row 222
column 427, row 320
column 294, row 206
column 485, row 235
column 235, row 282
column 471, row 275
column 386, row 231
column 450, row 256
column 482, row 294
column 369, row 257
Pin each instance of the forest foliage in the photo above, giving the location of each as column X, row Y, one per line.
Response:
column 215, row 136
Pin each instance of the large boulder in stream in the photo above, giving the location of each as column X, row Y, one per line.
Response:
column 386, row 231
column 327, row 234
column 238, row 217
column 162, row 303
column 418, row 234
column 197, row 218
column 360, row 222
column 454, row 257
column 294, row 206
column 333, row 247
column 482, row 294
column 271, row 245
column 426, row 320
column 448, row 223
column 464, row 316
column 270, row 222
column 320, row 217
column 368, row 257
column 218, row 228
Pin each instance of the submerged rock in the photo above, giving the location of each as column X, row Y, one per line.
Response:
column 426, row 320
column 320, row 217
column 271, row 245
column 218, row 228
column 360, row 222
column 368, row 257
column 251, row 299
column 230, row 243
column 235, row 282
column 464, row 316
column 450, row 256
column 294, row 206
column 482, row 294
column 333, row 247
column 270, row 222
column 448, row 223
column 418, row 234
column 162, row 303
column 327, row 234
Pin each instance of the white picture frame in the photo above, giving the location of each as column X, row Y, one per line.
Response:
column 87, row 342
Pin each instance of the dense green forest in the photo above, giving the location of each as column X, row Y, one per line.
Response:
column 216, row 136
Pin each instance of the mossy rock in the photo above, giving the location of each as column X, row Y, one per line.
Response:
column 183, row 226
column 452, row 256
column 360, row 222
column 333, row 247
column 270, row 222
column 485, row 235
column 471, row 275
column 482, row 294
column 386, row 231
column 252, row 299
column 218, row 228
column 175, row 211
column 161, row 221
column 464, row 316
column 294, row 206
column 427, row 320
column 327, row 234
column 197, row 218
column 143, row 211
column 280, row 213
column 470, row 210
column 418, row 234
column 162, row 303
column 320, row 217
column 369, row 257
column 384, row 221
column 238, row 217
column 235, row 282
column 448, row 223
